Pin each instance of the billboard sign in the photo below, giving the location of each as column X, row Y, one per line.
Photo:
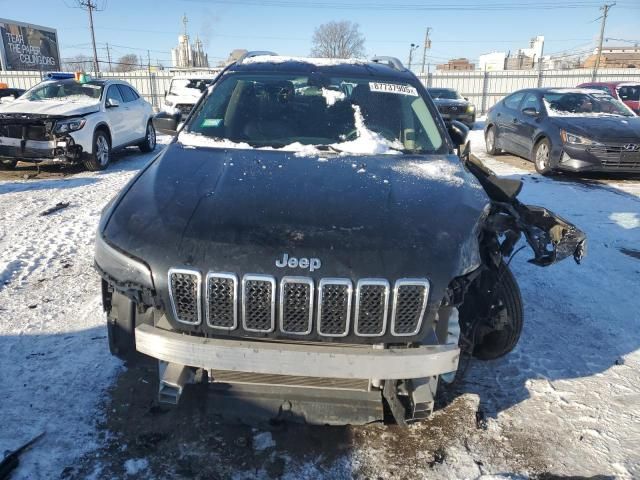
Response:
column 28, row 47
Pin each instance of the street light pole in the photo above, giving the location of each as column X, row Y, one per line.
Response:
column 412, row 48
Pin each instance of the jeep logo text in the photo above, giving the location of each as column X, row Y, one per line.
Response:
column 293, row 262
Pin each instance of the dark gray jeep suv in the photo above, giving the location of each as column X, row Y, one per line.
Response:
column 311, row 241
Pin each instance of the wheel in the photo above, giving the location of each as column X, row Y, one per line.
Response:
column 8, row 164
column 491, row 316
column 149, row 143
column 541, row 156
column 490, row 139
column 121, row 325
column 101, row 154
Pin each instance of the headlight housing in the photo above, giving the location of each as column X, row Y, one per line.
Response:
column 71, row 125
column 168, row 103
column 573, row 139
column 120, row 266
column 471, row 108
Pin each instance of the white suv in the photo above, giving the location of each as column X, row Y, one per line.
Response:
column 64, row 120
column 184, row 92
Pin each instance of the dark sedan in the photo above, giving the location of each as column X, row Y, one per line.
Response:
column 453, row 106
column 566, row 129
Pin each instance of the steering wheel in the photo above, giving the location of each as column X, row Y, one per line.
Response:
column 387, row 133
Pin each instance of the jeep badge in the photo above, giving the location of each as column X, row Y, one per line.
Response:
column 293, row 262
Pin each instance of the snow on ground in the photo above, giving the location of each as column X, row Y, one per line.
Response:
column 566, row 401
column 53, row 351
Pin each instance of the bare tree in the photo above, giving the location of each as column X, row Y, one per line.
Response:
column 76, row 63
column 128, row 62
column 338, row 40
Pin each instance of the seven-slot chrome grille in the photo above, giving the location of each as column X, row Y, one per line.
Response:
column 297, row 305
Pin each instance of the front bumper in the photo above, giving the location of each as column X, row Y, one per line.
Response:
column 601, row 158
column 38, row 151
column 310, row 360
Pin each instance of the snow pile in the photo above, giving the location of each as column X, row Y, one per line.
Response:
column 320, row 62
column 134, row 466
column 439, row 170
column 332, row 96
column 367, row 142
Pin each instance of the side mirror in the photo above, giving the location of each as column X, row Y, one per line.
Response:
column 166, row 123
column 459, row 132
column 112, row 103
column 530, row 111
column 466, row 98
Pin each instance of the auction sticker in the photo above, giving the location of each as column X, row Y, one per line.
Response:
column 393, row 88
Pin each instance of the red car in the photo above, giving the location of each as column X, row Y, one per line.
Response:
column 627, row 92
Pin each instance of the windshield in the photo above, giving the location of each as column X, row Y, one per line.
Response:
column 343, row 114
column 444, row 93
column 584, row 104
column 189, row 86
column 629, row 93
column 68, row 91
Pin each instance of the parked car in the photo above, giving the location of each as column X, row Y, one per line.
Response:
column 312, row 225
column 566, row 129
column 453, row 106
column 63, row 120
column 184, row 92
column 9, row 94
column 627, row 92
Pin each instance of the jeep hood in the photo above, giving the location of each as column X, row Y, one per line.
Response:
column 54, row 108
column 389, row 216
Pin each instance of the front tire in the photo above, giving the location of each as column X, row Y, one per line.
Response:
column 8, row 164
column 542, row 157
column 492, row 316
column 101, row 155
column 149, row 143
column 491, row 141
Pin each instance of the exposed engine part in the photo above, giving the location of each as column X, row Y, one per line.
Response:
column 173, row 378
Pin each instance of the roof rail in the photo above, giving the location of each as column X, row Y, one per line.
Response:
column 393, row 62
column 255, row 53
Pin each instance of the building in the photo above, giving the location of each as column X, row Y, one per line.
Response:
column 456, row 64
column 187, row 55
column 523, row 59
column 493, row 61
column 615, row 57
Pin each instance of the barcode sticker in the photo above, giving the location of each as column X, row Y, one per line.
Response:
column 393, row 88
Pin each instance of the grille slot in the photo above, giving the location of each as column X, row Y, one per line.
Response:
column 409, row 304
column 296, row 305
column 222, row 300
column 258, row 303
column 372, row 302
column 334, row 307
column 184, row 292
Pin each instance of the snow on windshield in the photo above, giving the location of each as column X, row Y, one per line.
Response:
column 583, row 103
column 366, row 142
column 321, row 62
column 332, row 96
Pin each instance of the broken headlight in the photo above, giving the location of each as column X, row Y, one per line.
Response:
column 64, row 126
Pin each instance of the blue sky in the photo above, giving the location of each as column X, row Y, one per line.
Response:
column 136, row 25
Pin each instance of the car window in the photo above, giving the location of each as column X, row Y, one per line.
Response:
column 128, row 94
column 577, row 103
column 66, row 90
column 113, row 93
column 531, row 101
column 276, row 110
column 513, row 100
column 629, row 93
column 444, row 93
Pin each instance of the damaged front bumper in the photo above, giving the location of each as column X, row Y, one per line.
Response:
column 60, row 149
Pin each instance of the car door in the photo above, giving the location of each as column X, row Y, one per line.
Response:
column 136, row 112
column 507, row 121
column 116, row 116
column 526, row 125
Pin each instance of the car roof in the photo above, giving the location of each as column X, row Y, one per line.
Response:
column 346, row 67
column 584, row 90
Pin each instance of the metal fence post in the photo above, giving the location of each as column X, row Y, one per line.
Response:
column 485, row 90
column 540, row 78
column 429, row 79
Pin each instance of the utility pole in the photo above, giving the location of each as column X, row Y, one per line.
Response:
column 411, row 50
column 605, row 11
column 427, row 46
column 109, row 56
column 90, row 6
